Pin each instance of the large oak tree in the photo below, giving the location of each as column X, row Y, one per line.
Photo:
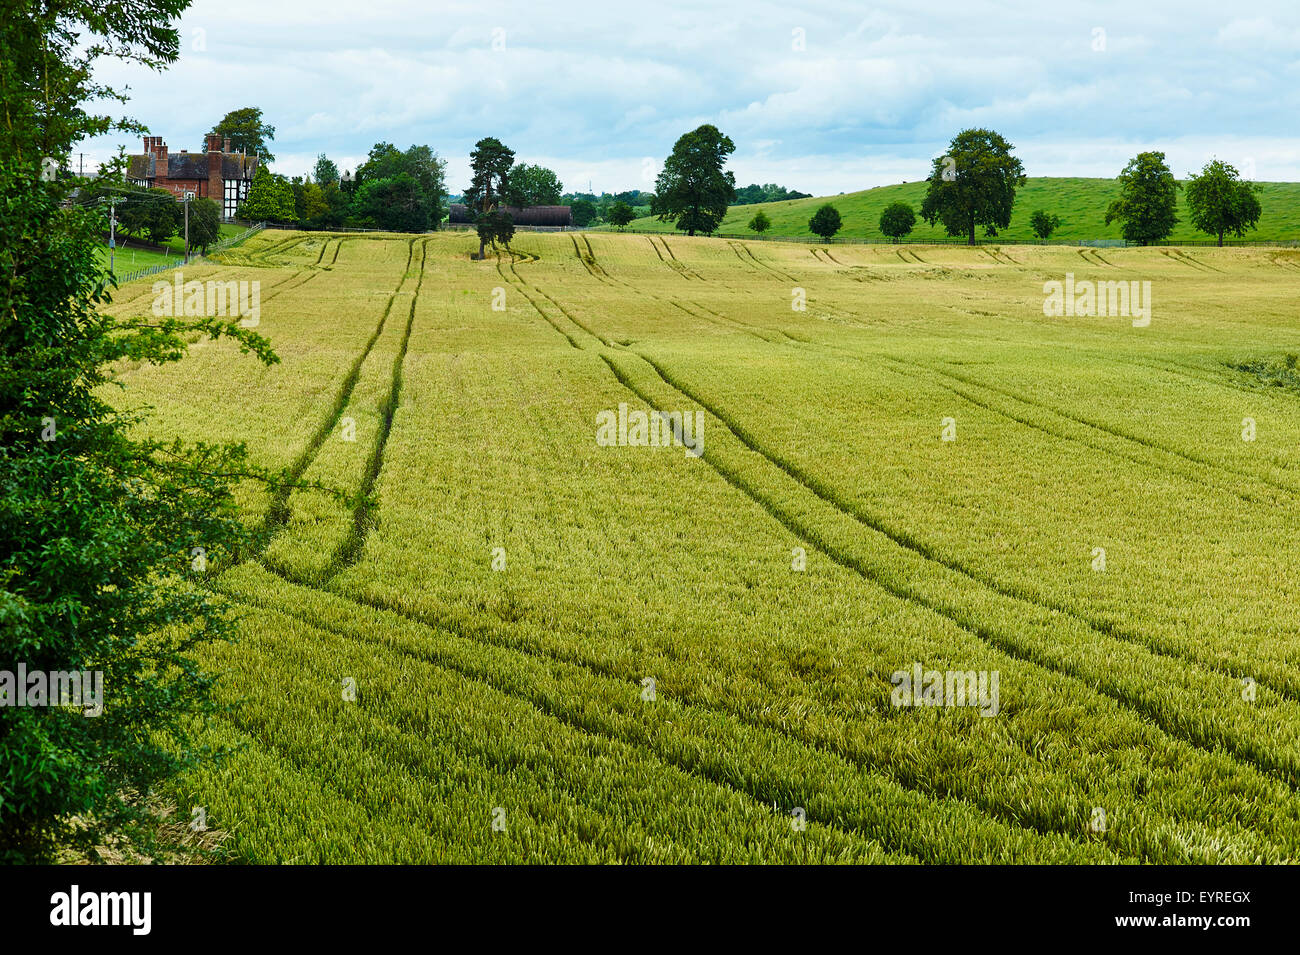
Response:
column 534, row 186
column 1147, row 207
column 247, row 132
column 692, row 190
column 973, row 185
column 1219, row 201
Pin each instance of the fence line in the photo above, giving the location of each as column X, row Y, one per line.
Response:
column 300, row 228
column 446, row 227
column 979, row 240
column 236, row 239
column 233, row 240
column 1231, row 243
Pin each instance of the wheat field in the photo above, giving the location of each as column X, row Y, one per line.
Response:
column 529, row 645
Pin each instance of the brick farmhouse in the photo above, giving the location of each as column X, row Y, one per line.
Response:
column 218, row 174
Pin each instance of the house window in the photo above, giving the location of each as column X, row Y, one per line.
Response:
column 236, row 192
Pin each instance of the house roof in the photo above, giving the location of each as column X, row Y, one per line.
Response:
column 139, row 167
column 237, row 166
column 187, row 166
column 191, row 166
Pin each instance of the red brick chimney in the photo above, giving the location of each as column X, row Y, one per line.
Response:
column 160, row 152
column 225, row 145
column 216, row 187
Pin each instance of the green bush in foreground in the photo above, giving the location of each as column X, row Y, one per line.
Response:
column 102, row 536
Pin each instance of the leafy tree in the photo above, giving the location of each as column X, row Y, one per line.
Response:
column 825, row 222
column 285, row 197
column 270, row 198
column 1044, row 223
column 620, row 214
column 295, row 185
column 1147, row 206
column 584, row 211
column 395, row 204
column 533, row 186
column 97, row 522
column 495, row 226
column 151, row 214
column 338, row 204
column 325, row 171
column 247, row 132
column 1219, row 201
column 505, row 227
column 490, row 163
column 412, row 180
column 314, row 206
column 692, row 190
column 768, row 192
column 429, row 172
column 162, row 218
column 382, row 162
column 205, row 223
column 419, row 162
column 760, row 223
column 973, row 185
column 897, row 220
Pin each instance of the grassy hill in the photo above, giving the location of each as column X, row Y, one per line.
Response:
column 135, row 253
column 1081, row 204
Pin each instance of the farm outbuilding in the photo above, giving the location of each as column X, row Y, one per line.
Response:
column 553, row 216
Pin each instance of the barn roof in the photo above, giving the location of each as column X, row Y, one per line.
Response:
column 528, row 215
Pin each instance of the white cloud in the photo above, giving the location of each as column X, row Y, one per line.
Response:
column 593, row 88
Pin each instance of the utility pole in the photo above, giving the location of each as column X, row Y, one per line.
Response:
column 186, row 204
column 112, row 231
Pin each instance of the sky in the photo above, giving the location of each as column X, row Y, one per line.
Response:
column 825, row 98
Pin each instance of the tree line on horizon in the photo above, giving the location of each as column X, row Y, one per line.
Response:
column 971, row 187
column 974, row 185
column 406, row 191
column 325, row 199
